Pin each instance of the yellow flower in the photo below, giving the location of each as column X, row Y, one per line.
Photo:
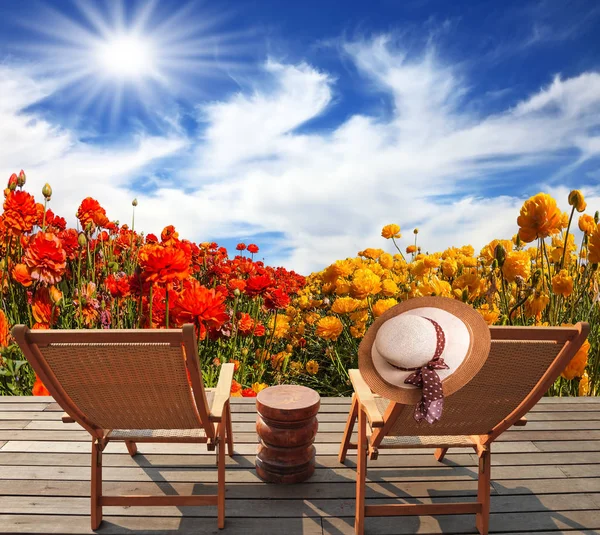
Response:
column 517, row 264
column 386, row 260
column 468, row 261
column 358, row 330
column 411, row 249
column 361, row 316
column 490, row 314
column 449, row 268
column 391, row 231
column 311, row 318
column 584, row 385
column 434, row 286
column 488, row 253
column 535, row 304
column 576, row 367
column 296, row 367
column 587, row 224
column 257, row 387
column 342, row 287
column 540, row 217
column 329, row 328
column 389, row 288
column 344, row 305
column 382, row 305
column 312, row 367
column 577, row 201
column 418, row 269
column 281, row 326
column 365, row 283
column 562, row 283
column 371, row 253
column 594, row 246
column 470, row 282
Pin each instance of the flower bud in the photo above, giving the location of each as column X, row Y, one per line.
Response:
column 596, row 217
column 81, row 239
column 577, row 201
column 244, row 351
column 113, row 266
column 416, row 231
column 12, row 182
column 134, row 202
column 495, row 264
column 237, row 292
column 465, row 295
column 500, row 254
column 518, row 241
column 47, row 191
column 21, row 179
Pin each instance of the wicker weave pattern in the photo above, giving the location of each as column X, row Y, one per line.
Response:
column 511, row 371
column 126, row 386
column 427, row 441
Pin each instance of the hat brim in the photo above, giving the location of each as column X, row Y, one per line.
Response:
column 465, row 359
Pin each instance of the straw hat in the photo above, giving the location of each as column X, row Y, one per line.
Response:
column 425, row 333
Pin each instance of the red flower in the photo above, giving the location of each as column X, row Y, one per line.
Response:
column 39, row 389
column 257, row 285
column 20, row 212
column 253, row 248
column 248, row 393
column 151, row 238
column 169, row 236
column 91, row 213
column 236, row 388
column 118, row 285
column 69, row 241
column 245, row 323
column 240, row 246
column 203, row 307
column 276, row 298
column 4, row 331
column 46, row 258
column 163, row 264
column 259, row 330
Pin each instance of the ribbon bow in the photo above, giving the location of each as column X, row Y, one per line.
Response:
column 432, row 401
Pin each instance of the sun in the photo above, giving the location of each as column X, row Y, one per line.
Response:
column 118, row 56
column 126, row 57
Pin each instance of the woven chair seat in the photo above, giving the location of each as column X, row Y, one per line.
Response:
column 442, row 441
column 136, row 434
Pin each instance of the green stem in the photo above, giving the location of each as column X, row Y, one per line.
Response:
column 562, row 261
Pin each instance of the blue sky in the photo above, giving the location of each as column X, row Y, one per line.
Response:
column 304, row 126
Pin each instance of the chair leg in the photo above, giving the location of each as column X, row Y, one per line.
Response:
column 361, row 473
column 131, row 447
column 440, row 453
column 483, row 492
column 96, row 490
column 229, row 430
column 349, row 428
column 221, row 477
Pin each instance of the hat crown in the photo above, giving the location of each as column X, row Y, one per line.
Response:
column 407, row 341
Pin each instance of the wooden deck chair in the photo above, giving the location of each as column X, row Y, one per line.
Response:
column 522, row 364
column 132, row 386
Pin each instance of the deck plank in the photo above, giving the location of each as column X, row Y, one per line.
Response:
column 545, row 478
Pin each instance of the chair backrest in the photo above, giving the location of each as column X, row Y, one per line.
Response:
column 522, row 364
column 121, row 379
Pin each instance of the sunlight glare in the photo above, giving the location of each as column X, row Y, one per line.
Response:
column 126, row 56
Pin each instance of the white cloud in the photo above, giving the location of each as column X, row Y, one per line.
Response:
column 330, row 192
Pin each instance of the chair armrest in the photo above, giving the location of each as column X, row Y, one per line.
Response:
column 222, row 392
column 366, row 398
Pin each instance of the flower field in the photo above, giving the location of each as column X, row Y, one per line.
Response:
column 276, row 325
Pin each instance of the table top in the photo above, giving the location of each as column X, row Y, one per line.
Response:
column 287, row 400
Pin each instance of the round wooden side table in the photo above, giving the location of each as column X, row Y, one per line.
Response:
column 286, row 425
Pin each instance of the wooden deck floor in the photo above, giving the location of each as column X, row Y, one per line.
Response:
column 546, row 478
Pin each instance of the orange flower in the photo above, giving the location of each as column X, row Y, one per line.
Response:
column 577, row 201
column 39, row 389
column 540, row 217
column 411, row 249
column 169, row 236
column 329, row 328
column 20, row 212
column 516, row 264
column 91, row 213
column 46, row 258
column 562, row 283
column 20, row 274
column 4, row 331
column 163, row 264
column 391, row 231
column 203, row 307
column 576, row 367
column 594, row 246
column 236, row 389
column 44, row 312
column 587, row 224
column 245, row 324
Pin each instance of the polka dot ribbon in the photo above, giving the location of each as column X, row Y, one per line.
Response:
column 432, row 401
